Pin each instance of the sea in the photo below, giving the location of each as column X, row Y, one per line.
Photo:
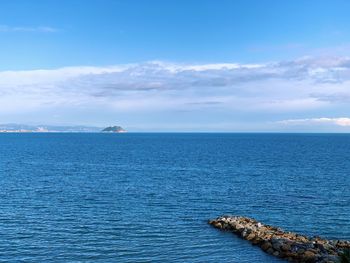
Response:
column 147, row 197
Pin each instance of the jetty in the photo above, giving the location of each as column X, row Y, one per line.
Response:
column 279, row 243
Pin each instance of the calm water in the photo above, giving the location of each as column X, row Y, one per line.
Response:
column 147, row 197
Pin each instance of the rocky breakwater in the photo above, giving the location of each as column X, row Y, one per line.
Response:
column 287, row 245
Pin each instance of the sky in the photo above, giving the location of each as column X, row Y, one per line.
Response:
column 176, row 65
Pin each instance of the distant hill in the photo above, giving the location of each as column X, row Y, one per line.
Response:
column 117, row 129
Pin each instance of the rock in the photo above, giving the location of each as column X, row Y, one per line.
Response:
column 301, row 251
column 329, row 259
column 309, row 255
column 277, row 244
column 276, row 253
column 287, row 245
column 256, row 240
column 270, row 251
column 217, row 225
column 251, row 236
column 244, row 233
column 266, row 245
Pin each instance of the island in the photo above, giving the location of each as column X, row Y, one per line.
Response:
column 114, row 129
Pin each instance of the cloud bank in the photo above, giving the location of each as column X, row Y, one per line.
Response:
column 223, row 92
column 335, row 121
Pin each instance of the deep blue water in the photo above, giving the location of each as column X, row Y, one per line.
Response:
column 147, row 197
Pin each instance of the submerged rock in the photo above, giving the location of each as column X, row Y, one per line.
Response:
column 287, row 245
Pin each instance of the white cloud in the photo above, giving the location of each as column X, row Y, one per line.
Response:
column 301, row 86
column 311, row 121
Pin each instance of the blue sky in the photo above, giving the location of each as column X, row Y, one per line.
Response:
column 177, row 65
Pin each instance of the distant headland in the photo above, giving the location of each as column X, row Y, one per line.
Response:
column 116, row 129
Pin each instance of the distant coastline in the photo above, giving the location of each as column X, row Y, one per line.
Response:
column 19, row 128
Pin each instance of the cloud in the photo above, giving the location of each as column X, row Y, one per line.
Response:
column 345, row 122
column 42, row 29
column 253, row 92
column 209, row 103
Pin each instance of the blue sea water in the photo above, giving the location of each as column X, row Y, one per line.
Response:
column 147, row 197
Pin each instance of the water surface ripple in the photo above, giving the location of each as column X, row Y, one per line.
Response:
column 147, row 197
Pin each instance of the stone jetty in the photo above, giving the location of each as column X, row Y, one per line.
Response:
column 286, row 245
